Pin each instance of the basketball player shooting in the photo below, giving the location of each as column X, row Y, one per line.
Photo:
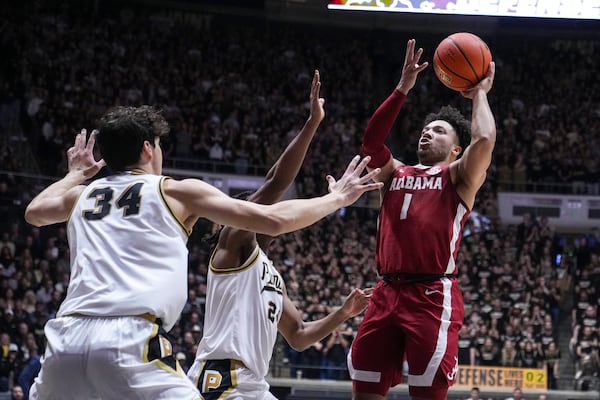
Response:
column 416, row 309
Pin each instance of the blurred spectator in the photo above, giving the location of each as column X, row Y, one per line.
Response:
column 552, row 364
column 475, row 394
column 9, row 367
column 467, row 352
column 529, row 355
column 335, row 352
column 489, row 354
column 587, row 353
column 509, row 356
column 28, row 375
column 16, row 393
column 516, row 395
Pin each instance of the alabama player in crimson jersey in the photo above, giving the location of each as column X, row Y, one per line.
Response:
column 416, row 310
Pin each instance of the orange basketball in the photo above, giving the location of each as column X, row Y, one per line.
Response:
column 461, row 60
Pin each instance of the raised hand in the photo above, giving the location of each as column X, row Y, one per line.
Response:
column 352, row 185
column 317, row 111
column 80, row 157
column 357, row 301
column 411, row 67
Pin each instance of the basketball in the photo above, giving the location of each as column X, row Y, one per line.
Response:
column 461, row 60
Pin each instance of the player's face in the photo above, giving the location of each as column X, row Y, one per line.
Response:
column 438, row 140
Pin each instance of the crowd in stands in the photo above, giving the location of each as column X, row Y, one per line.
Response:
column 235, row 94
column 584, row 344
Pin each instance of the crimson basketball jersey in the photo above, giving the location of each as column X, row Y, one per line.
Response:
column 420, row 222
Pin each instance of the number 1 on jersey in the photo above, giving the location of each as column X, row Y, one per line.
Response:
column 405, row 205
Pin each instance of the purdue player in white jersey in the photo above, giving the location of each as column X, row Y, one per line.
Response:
column 127, row 235
column 246, row 300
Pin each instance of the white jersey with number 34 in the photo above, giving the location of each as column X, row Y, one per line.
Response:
column 129, row 253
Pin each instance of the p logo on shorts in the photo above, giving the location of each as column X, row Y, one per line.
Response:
column 212, row 380
column 217, row 378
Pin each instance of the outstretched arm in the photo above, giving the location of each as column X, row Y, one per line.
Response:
column 54, row 204
column 191, row 199
column 300, row 335
column 383, row 119
column 284, row 171
column 472, row 166
column 235, row 245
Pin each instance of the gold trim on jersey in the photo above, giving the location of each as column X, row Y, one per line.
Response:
column 147, row 316
column 147, row 345
column 253, row 257
column 234, row 364
column 197, row 379
column 161, row 191
column 165, row 367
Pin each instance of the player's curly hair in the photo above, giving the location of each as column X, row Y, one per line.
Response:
column 461, row 125
column 122, row 132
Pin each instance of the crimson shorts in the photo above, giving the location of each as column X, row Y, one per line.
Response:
column 416, row 322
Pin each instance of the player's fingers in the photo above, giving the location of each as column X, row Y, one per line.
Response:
column 368, row 291
column 79, row 139
column 372, row 186
column 421, row 67
column 316, row 90
column 314, row 83
column 361, row 166
column 418, row 54
column 92, row 140
column 370, row 175
column 410, row 48
column 352, row 166
column 330, row 181
column 492, row 70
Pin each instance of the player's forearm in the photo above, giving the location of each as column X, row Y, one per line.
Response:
column 286, row 168
column 60, row 187
column 379, row 127
column 291, row 215
column 314, row 331
column 483, row 124
column 45, row 209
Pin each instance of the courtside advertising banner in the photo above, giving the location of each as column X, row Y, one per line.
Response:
column 501, row 378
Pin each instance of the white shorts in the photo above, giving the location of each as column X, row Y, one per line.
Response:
column 109, row 358
column 228, row 380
